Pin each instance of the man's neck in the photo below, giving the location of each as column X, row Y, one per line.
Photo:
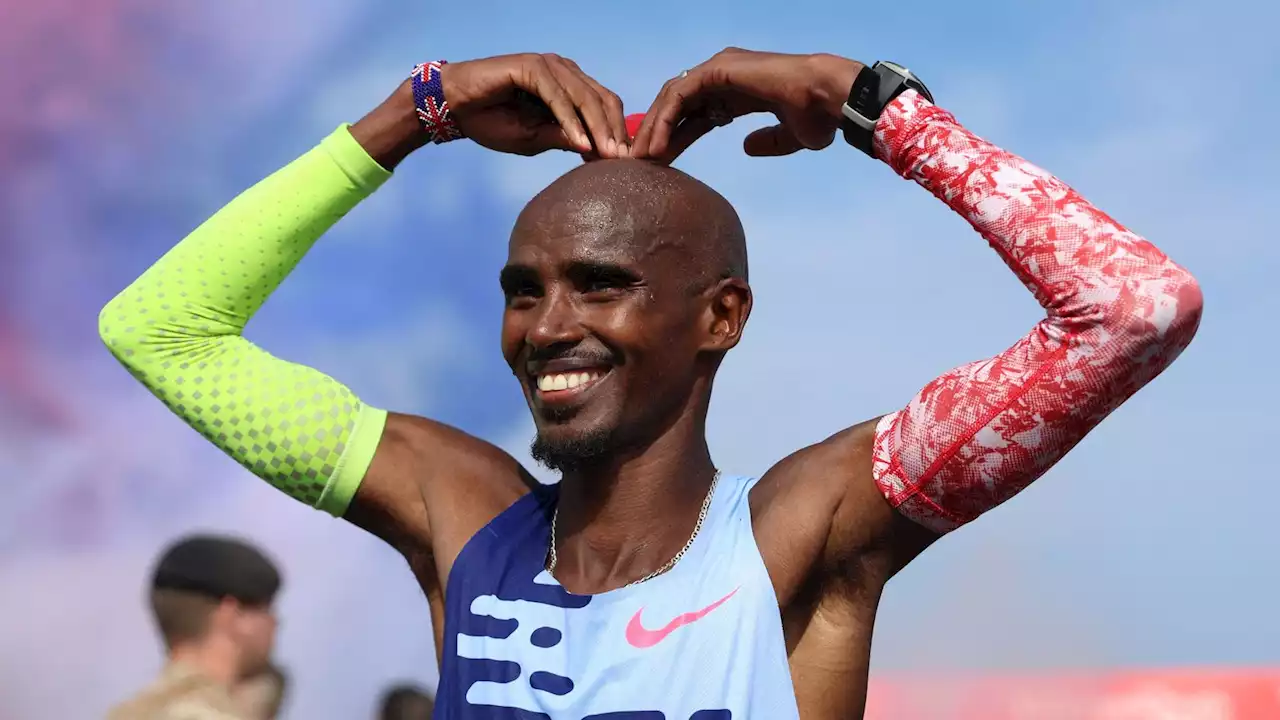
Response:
column 214, row 660
column 622, row 519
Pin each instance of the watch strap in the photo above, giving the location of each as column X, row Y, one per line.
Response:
column 860, row 110
column 873, row 89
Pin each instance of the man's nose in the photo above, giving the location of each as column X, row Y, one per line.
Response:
column 556, row 322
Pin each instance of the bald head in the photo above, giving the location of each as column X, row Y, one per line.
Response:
column 632, row 278
column 655, row 209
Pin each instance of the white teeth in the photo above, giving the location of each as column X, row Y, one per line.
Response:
column 566, row 381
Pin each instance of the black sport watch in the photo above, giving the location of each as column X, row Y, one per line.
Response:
column 874, row 88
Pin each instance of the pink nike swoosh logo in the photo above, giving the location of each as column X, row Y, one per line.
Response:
column 641, row 637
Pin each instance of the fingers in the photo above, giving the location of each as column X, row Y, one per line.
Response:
column 537, row 77
column 771, row 141
column 699, row 100
column 549, row 136
column 686, row 134
column 587, row 103
column 590, row 116
column 614, row 116
column 731, row 84
column 660, row 120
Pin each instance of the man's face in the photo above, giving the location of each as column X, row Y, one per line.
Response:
column 255, row 631
column 602, row 327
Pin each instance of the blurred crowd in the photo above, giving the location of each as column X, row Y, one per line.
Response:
column 212, row 599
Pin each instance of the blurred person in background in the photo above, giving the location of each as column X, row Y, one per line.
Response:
column 211, row 597
column 262, row 695
column 406, row 702
column 646, row 583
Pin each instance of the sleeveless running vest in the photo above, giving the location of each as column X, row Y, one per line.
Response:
column 701, row 642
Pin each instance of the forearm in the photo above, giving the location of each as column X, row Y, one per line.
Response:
column 1077, row 261
column 1118, row 311
column 178, row 327
column 391, row 131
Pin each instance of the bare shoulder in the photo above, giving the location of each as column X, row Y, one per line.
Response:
column 431, row 486
column 819, row 516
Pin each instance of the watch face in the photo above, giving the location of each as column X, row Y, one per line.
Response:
column 909, row 78
column 896, row 68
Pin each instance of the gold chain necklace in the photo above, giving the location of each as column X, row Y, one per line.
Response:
column 702, row 516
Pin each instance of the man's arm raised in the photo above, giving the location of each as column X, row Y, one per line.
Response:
column 178, row 328
column 1118, row 311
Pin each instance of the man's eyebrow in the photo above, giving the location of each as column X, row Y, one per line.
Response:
column 579, row 269
column 513, row 276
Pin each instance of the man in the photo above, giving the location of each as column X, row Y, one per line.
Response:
column 405, row 702
column 646, row 584
column 211, row 597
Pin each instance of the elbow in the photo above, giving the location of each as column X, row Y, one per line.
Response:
column 113, row 326
column 124, row 329
column 1166, row 315
column 1190, row 307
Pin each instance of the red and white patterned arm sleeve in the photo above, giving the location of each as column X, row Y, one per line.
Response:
column 1118, row 313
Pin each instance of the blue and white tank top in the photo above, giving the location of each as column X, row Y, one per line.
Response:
column 701, row 642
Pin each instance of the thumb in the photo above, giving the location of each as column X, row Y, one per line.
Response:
column 771, row 141
column 550, row 136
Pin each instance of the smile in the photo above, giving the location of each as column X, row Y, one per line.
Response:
column 563, row 385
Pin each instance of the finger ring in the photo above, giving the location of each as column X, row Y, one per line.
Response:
column 684, row 74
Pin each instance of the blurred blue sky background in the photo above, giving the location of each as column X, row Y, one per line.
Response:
column 127, row 123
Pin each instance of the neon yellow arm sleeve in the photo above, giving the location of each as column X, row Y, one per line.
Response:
column 178, row 327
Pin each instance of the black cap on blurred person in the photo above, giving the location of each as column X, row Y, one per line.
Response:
column 406, row 702
column 219, row 567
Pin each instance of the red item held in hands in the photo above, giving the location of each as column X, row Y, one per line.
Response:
column 633, row 124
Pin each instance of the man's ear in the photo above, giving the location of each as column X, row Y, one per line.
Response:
column 223, row 616
column 726, row 314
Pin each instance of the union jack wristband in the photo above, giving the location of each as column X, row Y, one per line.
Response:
column 433, row 109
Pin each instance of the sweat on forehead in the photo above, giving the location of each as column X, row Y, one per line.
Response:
column 647, row 208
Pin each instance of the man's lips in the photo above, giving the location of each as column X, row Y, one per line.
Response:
column 565, row 381
column 568, row 385
column 537, row 368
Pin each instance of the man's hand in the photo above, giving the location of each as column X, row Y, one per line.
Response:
column 804, row 92
column 523, row 104
column 527, row 104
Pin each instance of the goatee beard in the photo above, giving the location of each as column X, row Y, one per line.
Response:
column 569, row 454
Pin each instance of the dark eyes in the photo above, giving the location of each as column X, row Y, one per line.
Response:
column 522, row 295
column 602, row 279
column 593, row 283
column 604, row 285
column 601, row 289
